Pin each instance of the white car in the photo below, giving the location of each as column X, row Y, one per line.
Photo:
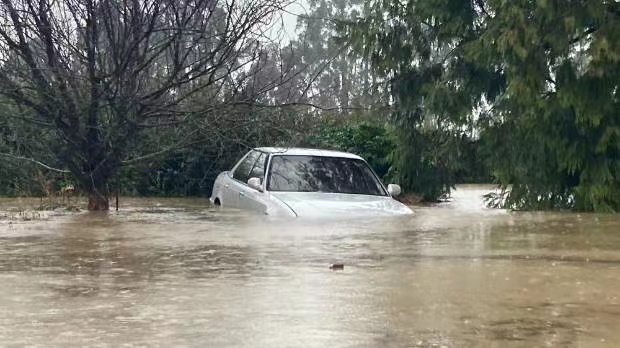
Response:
column 305, row 183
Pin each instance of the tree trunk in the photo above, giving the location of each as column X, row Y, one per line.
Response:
column 98, row 202
column 95, row 175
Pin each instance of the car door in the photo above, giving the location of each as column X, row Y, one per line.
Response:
column 239, row 179
column 239, row 184
column 250, row 198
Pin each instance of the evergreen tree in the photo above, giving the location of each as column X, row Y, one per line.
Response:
column 537, row 79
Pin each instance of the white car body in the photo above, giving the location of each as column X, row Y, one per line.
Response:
column 267, row 192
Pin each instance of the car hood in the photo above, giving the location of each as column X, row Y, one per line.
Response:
column 321, row 204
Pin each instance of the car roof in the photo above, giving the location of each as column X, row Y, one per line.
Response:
column 298, row 151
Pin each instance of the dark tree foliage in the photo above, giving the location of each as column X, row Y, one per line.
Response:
column 537, row 80
column 225, row 136
column 20, row 174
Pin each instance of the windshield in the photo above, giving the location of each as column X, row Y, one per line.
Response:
column 323, row 174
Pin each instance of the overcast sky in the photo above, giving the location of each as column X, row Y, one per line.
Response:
column 284, row 30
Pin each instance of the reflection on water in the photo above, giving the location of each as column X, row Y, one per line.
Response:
column 177, row 272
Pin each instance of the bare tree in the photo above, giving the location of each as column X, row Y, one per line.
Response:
column 99, row 72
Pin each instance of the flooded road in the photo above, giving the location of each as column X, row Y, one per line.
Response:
column 164, row 273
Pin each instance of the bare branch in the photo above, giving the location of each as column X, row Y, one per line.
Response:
column 39, row 163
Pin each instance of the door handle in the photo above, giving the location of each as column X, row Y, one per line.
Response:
column 241, row 194
column 226, row 186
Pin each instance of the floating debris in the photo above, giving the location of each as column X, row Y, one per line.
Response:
column 336, row 266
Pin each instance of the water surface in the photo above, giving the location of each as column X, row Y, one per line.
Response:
column 175, row 272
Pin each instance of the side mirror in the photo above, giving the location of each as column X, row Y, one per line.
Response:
column 393, row 190
column 255, row 183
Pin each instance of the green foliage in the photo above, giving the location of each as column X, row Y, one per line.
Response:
column 538, row 80
column 473, row 168
column 373, row 142
column 20, row 138
column 430, row 91
column 560, row 111
column 430, row 162
column 190, row 172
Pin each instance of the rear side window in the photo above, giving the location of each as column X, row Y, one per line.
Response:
column 242, row 171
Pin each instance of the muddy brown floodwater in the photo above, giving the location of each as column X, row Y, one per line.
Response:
column 165, row 273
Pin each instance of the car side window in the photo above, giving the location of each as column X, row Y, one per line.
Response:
column 258, row 171
column 242, row 171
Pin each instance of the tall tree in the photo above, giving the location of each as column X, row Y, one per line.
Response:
column 338, row 79
column 97, row 73
column 537, row 79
